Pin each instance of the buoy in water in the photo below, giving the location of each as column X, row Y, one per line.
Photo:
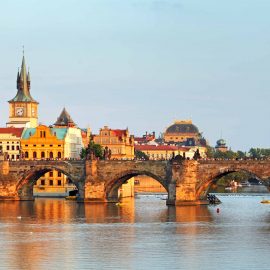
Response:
column 118, row 204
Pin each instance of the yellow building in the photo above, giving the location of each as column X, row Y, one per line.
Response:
column 180, row 131
column 119, row 142
column 23, row 109
column 44, row 142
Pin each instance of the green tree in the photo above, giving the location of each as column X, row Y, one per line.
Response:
column 259, row 152
column 94, row 148
column 210, row 153
column 141, row 155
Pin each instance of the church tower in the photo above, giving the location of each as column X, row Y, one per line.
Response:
column 23, row 109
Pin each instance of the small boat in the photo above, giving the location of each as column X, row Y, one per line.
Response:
column 265, row 201
column 213, row 199
column 245, row 184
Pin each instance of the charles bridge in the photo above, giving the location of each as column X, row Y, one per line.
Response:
column 186, row 182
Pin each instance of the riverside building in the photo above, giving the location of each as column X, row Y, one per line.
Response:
column 10, row 144
column 118, row 141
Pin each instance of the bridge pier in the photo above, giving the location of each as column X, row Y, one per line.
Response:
column 94, row 192
column 185, row 175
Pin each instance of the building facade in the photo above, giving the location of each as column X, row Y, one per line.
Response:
column 73, row 142
column 10, row 142
column 118, row 141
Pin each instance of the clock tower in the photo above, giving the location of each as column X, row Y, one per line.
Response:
column 23, row 109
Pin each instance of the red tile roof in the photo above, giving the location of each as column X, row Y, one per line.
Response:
column 119, row 132
column 160, row 148
column 14, row 131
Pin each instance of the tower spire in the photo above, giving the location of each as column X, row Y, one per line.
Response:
column 23, row 84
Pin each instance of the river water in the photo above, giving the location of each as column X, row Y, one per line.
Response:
column 141, row 233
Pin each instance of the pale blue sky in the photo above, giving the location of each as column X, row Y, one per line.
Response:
column 144, row 63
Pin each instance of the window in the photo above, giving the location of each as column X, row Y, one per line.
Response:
column 59, row 155
column 42, row 182
column 34, row 145
column 42, row 145
column 12, row 147
column 42, row 154
column 18, row 147
column 51, row 174
column 7, row 147
column 59, row 182
column 51, row 182
column 51, row 154
column 34, row 154
column 12, row 157
column 18, row 157
column 26, row 154
column 26, row 145
column 59, row 174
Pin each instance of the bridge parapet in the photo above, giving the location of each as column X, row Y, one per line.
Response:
column 98, row 180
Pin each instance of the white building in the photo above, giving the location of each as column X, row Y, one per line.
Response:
column 10, row 142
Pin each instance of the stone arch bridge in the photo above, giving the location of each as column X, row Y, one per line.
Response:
column 186, row 182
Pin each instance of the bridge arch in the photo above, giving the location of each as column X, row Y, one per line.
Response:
column 203, row 187
column 28, row 179
column 112, row 186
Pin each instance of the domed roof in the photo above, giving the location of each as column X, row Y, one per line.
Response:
column 182, row 127
column 221, row 142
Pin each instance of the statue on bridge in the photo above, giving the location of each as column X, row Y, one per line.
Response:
column 107, row 153
column 197, row 155
column 178, row 158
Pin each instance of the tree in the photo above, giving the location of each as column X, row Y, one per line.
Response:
column 94, row 148
column 210, row 153
column 259, row 152
column 141, row 155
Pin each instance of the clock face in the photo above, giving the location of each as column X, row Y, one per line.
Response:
column 19, row 111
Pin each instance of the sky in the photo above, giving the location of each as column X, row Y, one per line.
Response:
column 143, row 64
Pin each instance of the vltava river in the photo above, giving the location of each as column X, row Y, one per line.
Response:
column 138, row 234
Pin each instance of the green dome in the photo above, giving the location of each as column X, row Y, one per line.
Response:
column 221, row 142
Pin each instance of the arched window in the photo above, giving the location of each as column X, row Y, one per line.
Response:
column 59, row 155
column 42, row 154
column 26, row 154
column 34, row 154
column 51, row 154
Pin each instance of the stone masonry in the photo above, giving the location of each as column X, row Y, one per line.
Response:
column 186, row 182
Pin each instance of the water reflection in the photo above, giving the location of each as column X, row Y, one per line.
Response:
column 136, row 234
column 145, row 209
